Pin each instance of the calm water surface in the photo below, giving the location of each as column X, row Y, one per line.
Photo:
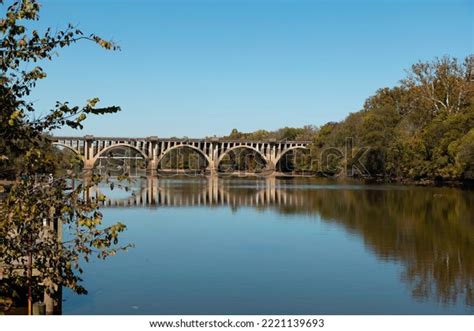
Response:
column 284, row 247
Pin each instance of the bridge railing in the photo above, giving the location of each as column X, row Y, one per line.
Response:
column 207, row 140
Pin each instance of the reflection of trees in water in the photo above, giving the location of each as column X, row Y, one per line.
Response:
column 430, row 231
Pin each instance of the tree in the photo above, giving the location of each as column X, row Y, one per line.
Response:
column 416, row 130
column 442, row 83
column 235, row 134
column 465, row 155
column 38, row 205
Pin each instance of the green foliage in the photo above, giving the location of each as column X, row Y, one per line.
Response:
column 464, row 151
column 33, row 215
column 40, row 203
column 20, row 48
column 306, row 133
column 419, row 129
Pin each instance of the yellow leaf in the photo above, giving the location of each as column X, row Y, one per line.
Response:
column 15, row 114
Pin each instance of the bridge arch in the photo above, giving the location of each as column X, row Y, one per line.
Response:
column 227, row 151
column 278, row 158
column 282, row 154
column 200, row 152
column 108, row 148
column 69, row 148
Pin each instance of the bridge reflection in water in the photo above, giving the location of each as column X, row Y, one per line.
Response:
column 214, row 191
column 428, row 231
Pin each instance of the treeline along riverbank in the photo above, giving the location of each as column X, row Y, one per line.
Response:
column 421, row 130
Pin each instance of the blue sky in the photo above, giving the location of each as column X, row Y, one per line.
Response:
column 199, row 68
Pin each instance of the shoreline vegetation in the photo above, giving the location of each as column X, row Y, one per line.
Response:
column 418, row 132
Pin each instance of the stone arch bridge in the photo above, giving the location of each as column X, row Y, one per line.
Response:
column 154, row 149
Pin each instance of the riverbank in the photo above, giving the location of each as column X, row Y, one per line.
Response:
column 385, row 180
column 420, row 182
column 342, row 179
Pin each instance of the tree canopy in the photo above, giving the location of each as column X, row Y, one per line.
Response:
column 39, row 204
column 423, row 128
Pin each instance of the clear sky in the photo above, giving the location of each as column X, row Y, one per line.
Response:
column 197, row 68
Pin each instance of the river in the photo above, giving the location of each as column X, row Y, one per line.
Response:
column 270, row 246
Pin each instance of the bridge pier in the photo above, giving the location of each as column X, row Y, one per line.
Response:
column 88, row 167
column 153, row 149
column 151, row 169
column 271, row 167
column 213, row 192
column 211, row 168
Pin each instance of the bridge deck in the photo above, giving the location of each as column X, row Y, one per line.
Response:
column 184, row 140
